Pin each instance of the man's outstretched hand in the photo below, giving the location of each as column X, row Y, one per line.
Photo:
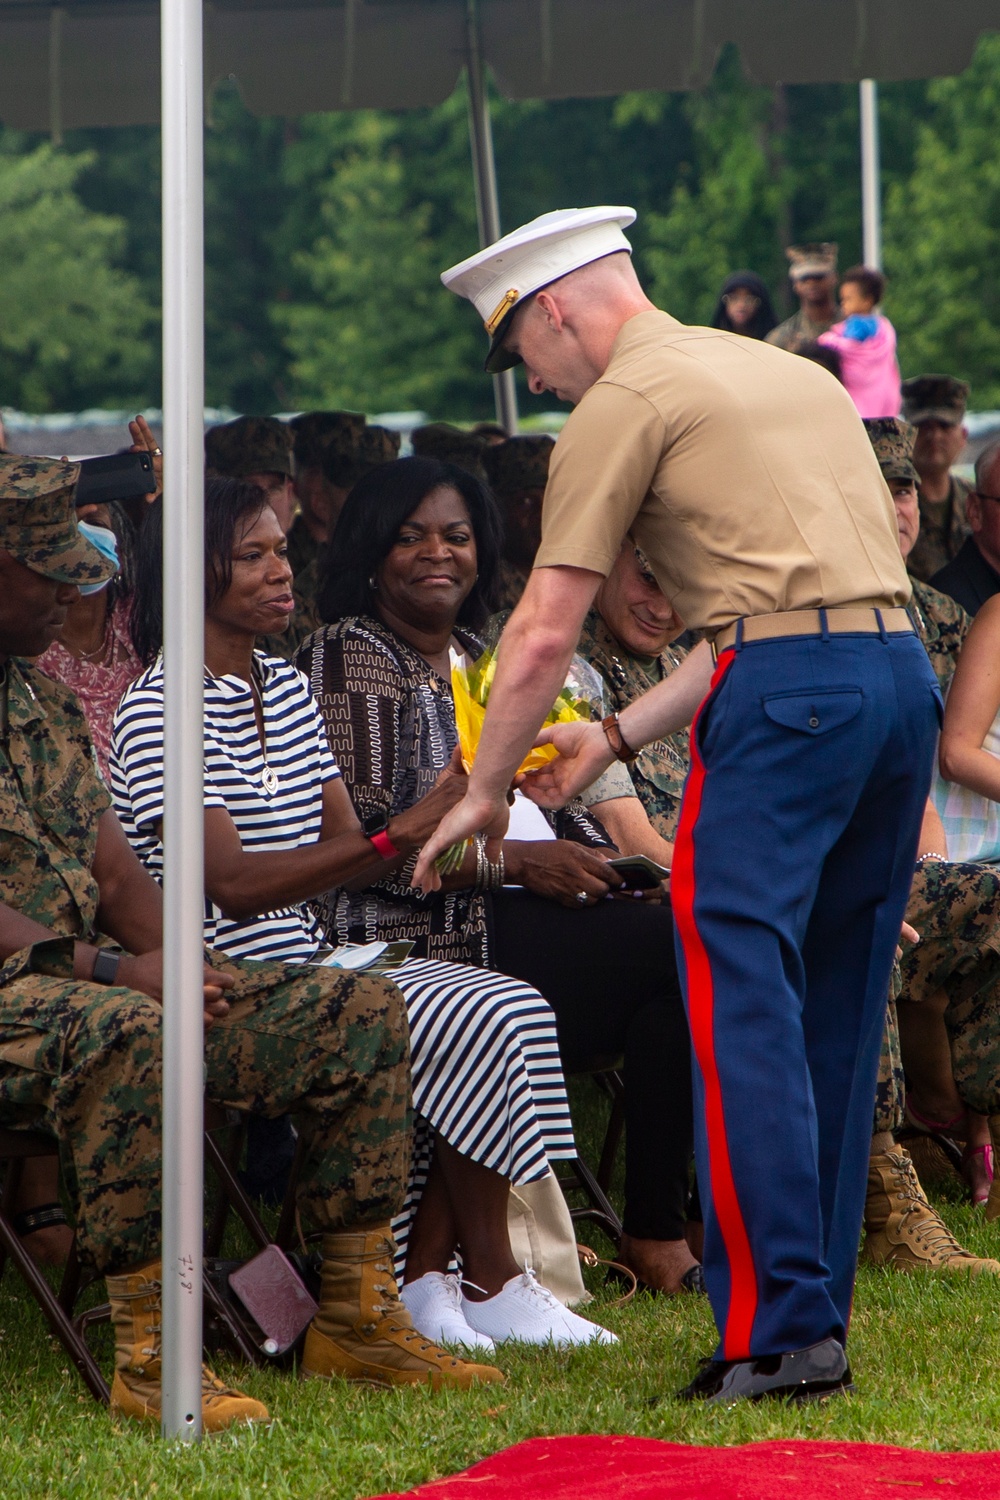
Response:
column 584, row 753
column 474, row 814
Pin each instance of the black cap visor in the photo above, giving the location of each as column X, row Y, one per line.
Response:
column 500, row 359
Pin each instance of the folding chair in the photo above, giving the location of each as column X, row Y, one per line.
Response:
column 16, row 1147
column 576, row 1175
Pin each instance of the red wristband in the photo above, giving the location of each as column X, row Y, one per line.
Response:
column 383, row 843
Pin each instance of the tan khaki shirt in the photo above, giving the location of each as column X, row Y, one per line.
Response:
column 742, row 472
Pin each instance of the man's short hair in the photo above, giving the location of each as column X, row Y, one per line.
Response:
column 985, row 462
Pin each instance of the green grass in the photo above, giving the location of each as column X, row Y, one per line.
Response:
column 925, row 1352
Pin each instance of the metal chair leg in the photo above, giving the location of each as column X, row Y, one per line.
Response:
column 286, row 1224
column 64, row 1329
column 233, row 1191
column 613, row 1134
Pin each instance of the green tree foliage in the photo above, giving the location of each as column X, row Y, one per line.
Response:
column 74, row 325
column 943, row 234
column 725, row 210
column 325, row 236
column 374, row 328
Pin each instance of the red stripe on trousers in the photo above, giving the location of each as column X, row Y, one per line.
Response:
column 701, row 1008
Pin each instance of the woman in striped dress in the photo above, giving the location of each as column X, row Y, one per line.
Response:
column 279, row 829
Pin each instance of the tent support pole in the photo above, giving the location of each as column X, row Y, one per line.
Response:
column 871, row 187
column 487, row 198
column 183, row 755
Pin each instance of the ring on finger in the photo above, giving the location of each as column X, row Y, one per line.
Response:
column 581, row 896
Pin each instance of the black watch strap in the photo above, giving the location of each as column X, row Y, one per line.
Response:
column 106, row 967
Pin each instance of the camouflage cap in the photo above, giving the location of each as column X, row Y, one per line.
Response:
column 818, row 258
column 893, row 440
column 940, row 398
column 250, row 445
column 450, row 445
column 371, row 446
column 521, row 463
column 317, row 432
column 38, row 520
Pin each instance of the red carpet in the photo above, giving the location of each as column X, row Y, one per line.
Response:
column 628, row 1468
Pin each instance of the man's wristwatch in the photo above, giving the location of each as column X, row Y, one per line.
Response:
column 613, row 730
column 374, row 827
column 106, row 967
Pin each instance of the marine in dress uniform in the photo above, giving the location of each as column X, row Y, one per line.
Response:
column 746, row 478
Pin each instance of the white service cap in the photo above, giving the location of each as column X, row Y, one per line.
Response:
column 499, row 277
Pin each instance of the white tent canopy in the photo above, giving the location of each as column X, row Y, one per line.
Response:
column 96, row 62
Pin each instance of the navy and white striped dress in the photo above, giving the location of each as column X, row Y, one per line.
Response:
column 484, row 1058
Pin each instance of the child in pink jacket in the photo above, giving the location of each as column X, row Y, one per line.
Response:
column 866, row 343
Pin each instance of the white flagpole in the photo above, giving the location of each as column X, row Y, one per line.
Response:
column 871, row 184
column 487, row 197
column 184, row 624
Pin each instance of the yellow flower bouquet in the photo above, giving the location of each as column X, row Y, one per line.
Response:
column 579, row 701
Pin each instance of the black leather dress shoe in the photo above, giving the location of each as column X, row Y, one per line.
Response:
column 812, row 1374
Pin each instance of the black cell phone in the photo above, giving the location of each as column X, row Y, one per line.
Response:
column 115, row 476
column 639, row 872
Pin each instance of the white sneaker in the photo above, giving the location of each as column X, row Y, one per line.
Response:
column 527, row 1311
column 435, row 1303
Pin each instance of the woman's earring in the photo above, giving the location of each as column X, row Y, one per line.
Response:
column 373, row 583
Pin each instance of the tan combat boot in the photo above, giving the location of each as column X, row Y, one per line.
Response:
column 136, row 1392
column 363, row 1332
column 902, row 1230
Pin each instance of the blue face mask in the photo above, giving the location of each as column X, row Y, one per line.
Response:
column 106, row 544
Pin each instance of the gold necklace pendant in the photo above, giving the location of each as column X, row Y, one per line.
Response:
column 269, row 780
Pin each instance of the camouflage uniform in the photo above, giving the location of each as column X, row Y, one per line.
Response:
column 943, row 524
column 81, row 1061
column 890, row 1086
column 943, row 529
column 798, row 331
column 38, row 520
column 318, row 435
column 350, row 456
column 518, row 471
column 250, row 445
column 303, row 548
column 451, row 445
column 659, row 772
column 954, row 907
column 942, row 625
column 509, row 586
column 316, row 432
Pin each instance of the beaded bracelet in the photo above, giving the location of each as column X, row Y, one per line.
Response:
column 931, row 854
